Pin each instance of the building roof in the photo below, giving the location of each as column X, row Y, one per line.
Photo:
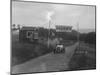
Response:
column 29, row 28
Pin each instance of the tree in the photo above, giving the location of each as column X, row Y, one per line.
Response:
column 13, row 25
column 91, row 38
column 82, row 36
column 67, row 35
column 18, row 26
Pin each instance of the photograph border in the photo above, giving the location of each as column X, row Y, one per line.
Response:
column 47, row 3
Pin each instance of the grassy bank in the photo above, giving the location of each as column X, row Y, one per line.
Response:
column 22, row 52
column 84, row 58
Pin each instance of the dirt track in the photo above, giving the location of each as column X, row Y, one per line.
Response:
column 48, row 62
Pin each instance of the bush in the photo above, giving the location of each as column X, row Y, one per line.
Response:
column 91, row 38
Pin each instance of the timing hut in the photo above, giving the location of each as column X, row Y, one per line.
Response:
column 28, row 34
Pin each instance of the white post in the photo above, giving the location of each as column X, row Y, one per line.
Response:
column 49, row 35
column 49, row 18
column 78, row 31
column 78, row 35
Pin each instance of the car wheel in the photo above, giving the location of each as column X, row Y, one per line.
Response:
column 54, row 51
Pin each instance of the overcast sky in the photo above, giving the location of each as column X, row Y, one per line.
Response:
column 36, row 14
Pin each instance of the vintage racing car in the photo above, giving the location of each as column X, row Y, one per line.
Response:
column 59, row 49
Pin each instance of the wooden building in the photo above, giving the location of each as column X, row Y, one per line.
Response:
column 28, row 34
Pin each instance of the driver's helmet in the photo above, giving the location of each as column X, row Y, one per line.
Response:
column 60, row 46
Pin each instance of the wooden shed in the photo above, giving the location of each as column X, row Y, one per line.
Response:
column 28, row 34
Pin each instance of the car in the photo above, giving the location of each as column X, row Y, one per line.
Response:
column 59, row 49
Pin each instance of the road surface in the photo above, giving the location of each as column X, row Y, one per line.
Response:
column 47, row 63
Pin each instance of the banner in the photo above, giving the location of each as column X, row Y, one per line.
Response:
column 60, row 28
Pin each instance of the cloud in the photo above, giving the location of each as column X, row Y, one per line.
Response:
column 28, row 13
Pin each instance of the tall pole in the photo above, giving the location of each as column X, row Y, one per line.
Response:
column 78, row 31
column 78, row 35
column 49, row 35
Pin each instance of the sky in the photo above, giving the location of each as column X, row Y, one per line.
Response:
column 43, row 14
